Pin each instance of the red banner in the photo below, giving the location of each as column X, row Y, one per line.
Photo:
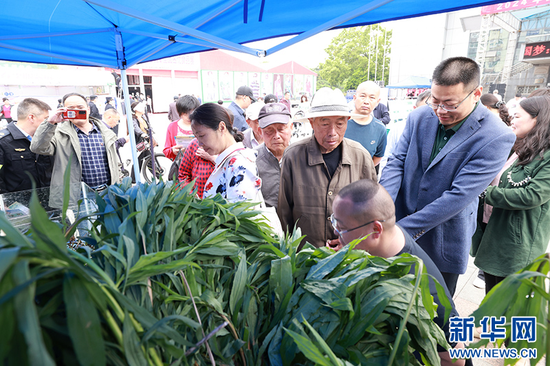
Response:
column 511, row 6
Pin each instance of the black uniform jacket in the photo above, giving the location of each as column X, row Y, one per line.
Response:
column 16, row 159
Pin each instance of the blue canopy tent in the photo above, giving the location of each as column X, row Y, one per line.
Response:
column 119, row 34
column 411, row 83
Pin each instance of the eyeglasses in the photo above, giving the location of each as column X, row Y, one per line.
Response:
column 447, row 108
column 334, row 223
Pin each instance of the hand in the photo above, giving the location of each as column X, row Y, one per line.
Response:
column 127, row 139
column 334, row 244
column 176, row 149
column 206, row 156
column 56, row 116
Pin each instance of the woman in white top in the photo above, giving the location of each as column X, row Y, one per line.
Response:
column 235, row 176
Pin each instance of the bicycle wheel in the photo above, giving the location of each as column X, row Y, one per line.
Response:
column 162, row 167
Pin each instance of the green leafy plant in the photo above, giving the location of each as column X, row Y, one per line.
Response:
column 524, row 293
column 178, row 280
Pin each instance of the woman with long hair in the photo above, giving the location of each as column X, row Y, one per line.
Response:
column 496, row 106
column 235, row 175
column 518, row 230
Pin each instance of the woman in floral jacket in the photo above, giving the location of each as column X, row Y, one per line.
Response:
column 518, row 230
column 235, row 176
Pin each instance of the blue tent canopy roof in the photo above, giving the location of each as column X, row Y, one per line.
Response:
column 122, row 33
column 411, row 83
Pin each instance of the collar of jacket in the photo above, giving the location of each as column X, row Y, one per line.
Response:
column 15, row 132
column 314, row 152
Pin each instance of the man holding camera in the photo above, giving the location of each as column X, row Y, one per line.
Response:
column 75, row 138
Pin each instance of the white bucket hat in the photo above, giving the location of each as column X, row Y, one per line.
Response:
column 253, row 111
column 328, row 102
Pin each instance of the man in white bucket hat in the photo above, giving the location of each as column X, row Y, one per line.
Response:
column 314, row 170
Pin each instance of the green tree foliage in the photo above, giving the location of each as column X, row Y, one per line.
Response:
column 356, row 55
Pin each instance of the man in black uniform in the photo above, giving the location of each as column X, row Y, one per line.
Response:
column 94, row 111
column 16, row 158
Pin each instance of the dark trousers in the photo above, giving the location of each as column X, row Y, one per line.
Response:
column 491, row 281
column 450, row 280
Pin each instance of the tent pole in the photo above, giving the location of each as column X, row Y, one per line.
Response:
column 130, row 124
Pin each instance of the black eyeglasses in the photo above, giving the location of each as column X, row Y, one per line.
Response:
column 447, row 107
column 334, row 222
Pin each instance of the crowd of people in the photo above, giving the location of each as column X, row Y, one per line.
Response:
column 463, row 175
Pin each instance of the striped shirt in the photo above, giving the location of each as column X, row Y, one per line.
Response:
column 95, row 167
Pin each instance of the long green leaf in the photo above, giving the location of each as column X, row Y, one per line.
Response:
column 27, row 318
column 327, row 265
column 239, row 282
column 309, row 349
column 280, row 279
column 7, row 257
column 83, row 323
column 132, row 345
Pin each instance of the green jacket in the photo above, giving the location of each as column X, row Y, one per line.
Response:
column 62, row 142
column 519, row 228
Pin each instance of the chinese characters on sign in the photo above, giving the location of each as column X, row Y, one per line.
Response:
column 523, row 328
column 536, row 50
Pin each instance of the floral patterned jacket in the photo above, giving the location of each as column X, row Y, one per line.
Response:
column 235, row 176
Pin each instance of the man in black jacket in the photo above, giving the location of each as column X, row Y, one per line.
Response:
column 16, row 158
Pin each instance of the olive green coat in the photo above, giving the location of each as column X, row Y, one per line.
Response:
column 519, row 228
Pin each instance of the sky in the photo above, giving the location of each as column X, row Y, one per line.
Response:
column 309, row 52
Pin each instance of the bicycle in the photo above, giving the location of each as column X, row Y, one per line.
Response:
column 162, row 165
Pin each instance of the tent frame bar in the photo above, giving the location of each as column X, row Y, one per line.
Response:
column 55, row 34
column 130, row 124
column 53, row 55
column 214, row 41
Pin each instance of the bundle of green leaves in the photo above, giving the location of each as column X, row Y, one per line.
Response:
column 178, row 280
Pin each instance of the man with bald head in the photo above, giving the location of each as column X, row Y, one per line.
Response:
column 364, row 127
column 364, row 210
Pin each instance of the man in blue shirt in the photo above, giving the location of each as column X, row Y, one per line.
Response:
column 363, row 127
column 245, row 97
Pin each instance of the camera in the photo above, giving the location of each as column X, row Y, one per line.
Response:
column 74, row 114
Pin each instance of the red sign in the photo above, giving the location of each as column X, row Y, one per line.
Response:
column 536, row 50
column 511, row 6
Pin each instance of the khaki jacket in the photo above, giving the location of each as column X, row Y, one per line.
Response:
column 306, row 193
column 62, row 142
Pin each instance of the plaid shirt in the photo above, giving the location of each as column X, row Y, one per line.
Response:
column 95, row 167
column 192, row 167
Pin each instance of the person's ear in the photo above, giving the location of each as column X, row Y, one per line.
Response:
column 222, row 127
column 477, row 93
column 378, row 229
